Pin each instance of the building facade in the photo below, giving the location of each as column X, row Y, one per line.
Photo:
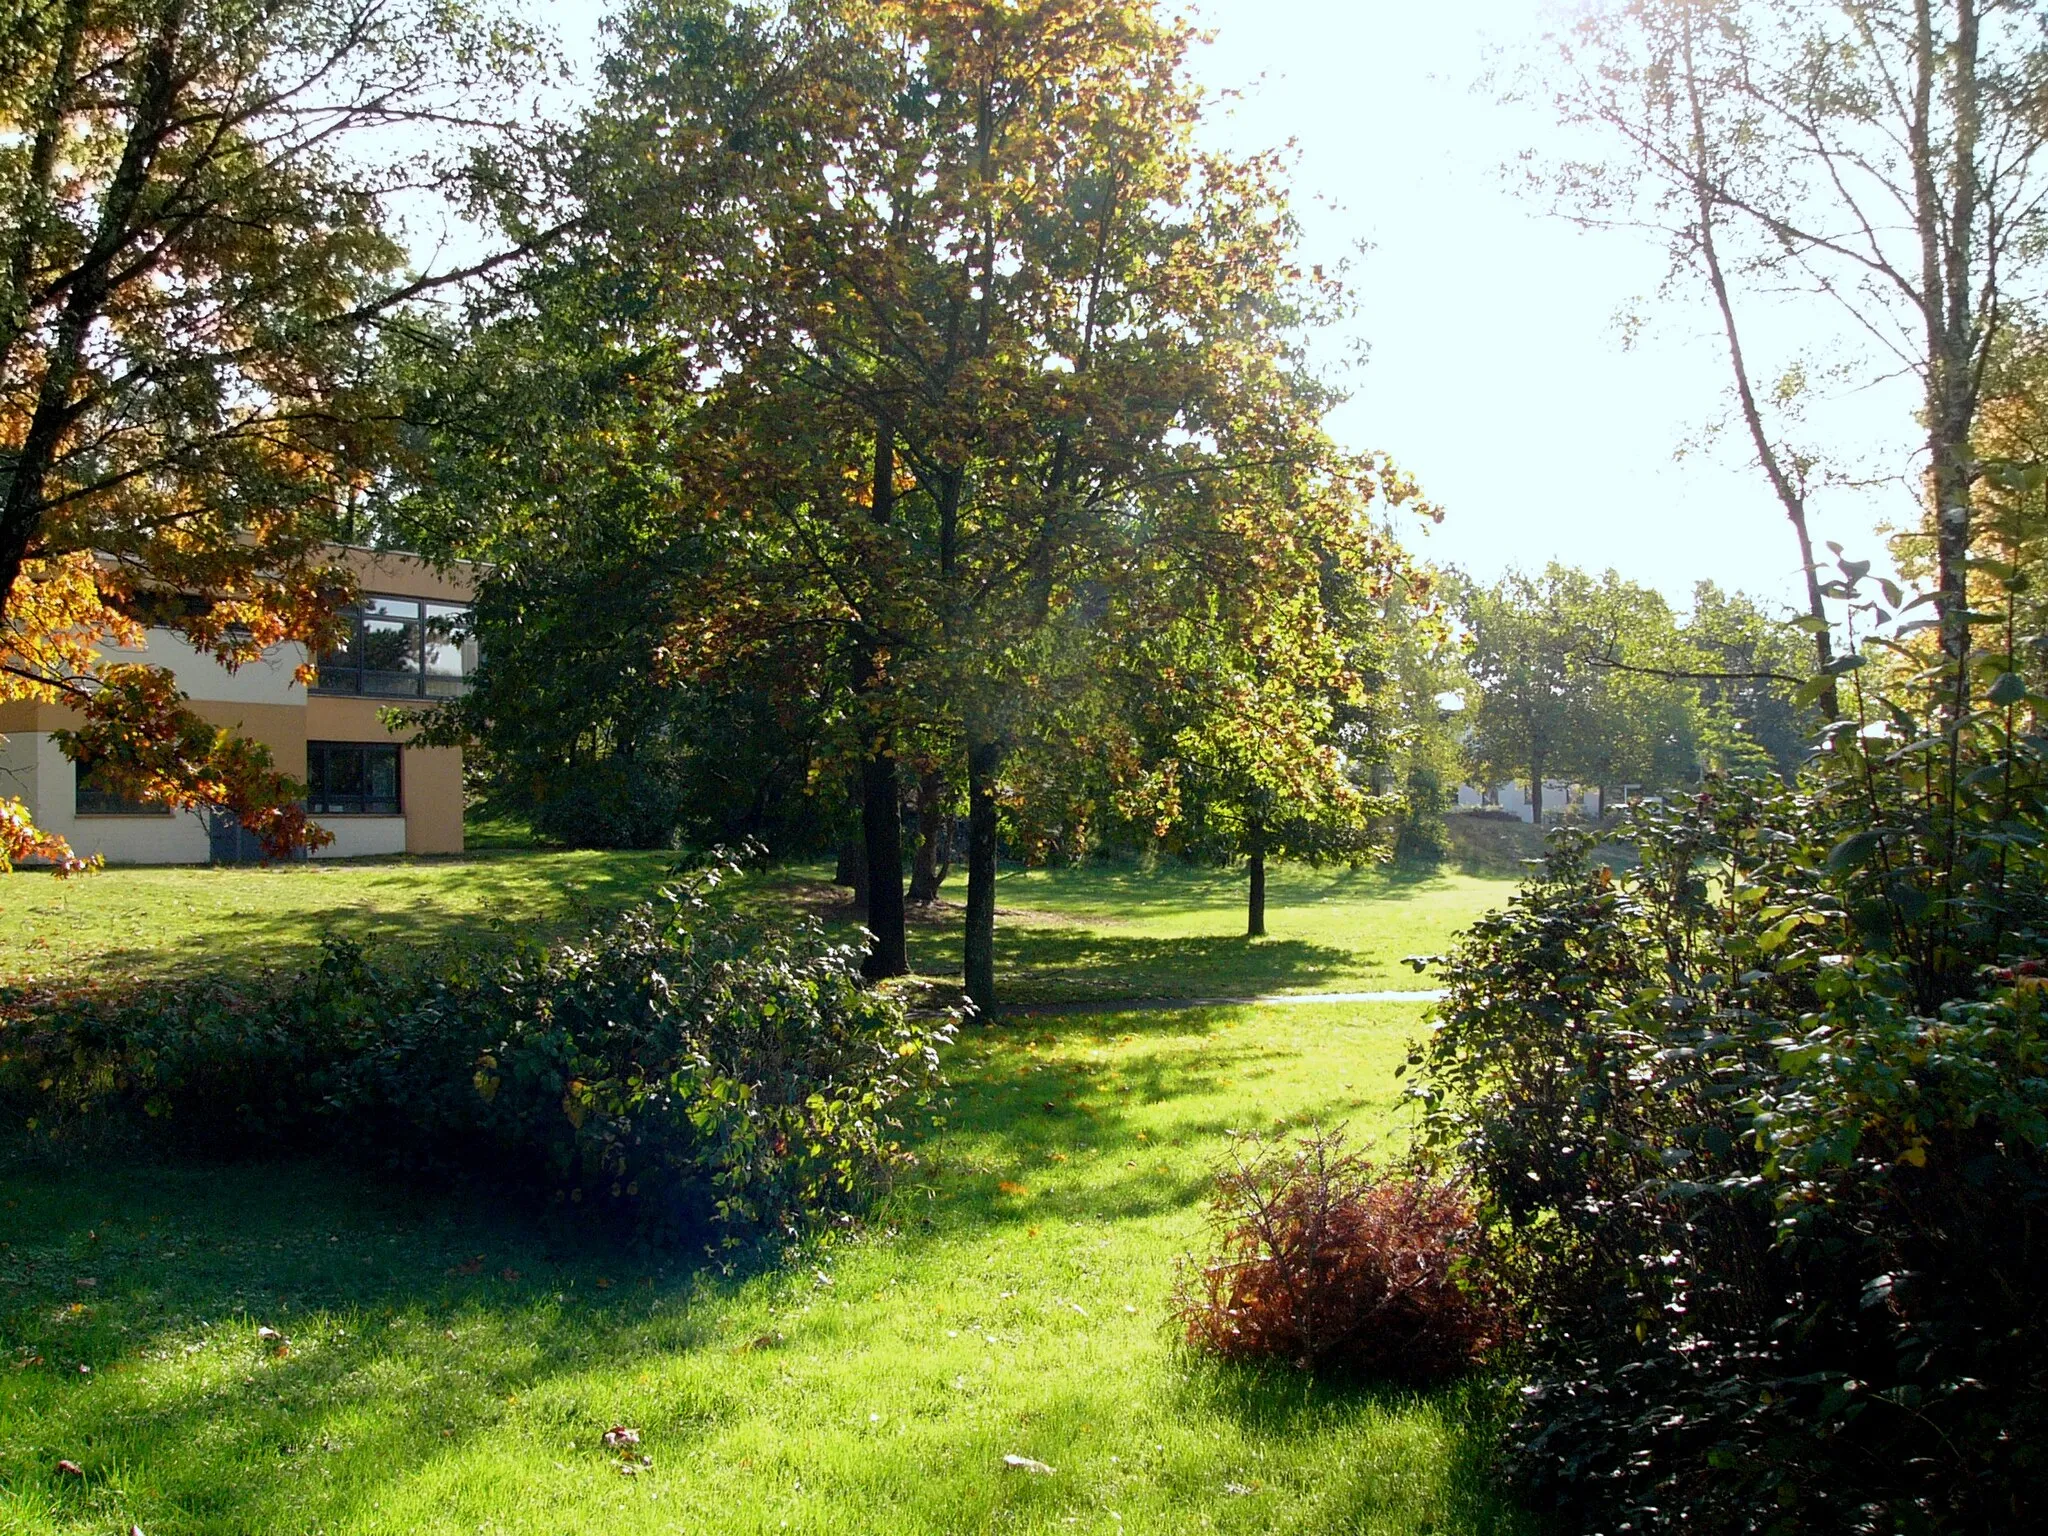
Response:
column 1561, row 800
column 410, row 642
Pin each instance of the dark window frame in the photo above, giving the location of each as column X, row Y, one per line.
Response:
column 349, row 672
column 89, row 801
column 322, row 799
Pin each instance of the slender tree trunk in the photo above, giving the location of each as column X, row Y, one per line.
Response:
column 1536, row 792
column 882, row 826
column 851, row 870
column 1948, row 310
column 1255, row 842
column 1791, row 492
column 984, row 761
column 934, row 840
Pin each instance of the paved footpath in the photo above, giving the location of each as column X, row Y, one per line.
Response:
column 1160, row 1004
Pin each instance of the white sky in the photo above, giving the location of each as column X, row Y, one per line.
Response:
column 1497, row 373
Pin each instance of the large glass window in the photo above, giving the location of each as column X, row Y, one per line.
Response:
column 93, row 796
column 402, row 647
column 352, row 778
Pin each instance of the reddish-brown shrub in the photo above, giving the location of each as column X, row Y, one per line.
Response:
column 1325, row 1265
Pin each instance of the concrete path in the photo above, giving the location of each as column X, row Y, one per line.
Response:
column 1160, row 1004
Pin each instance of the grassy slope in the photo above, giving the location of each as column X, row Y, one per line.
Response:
column 1104, row 931
column 452, row 1371
column 145, row 920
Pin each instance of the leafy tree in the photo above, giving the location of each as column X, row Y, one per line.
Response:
column 1758, row 1124
column 194, row 258
column 1745, row 668
column 1885, row 158
column 943, row 338
column 1567, row 674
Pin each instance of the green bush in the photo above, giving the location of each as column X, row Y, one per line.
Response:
column 1760, row 1125
column 689, row 1072
column 1771, row 1170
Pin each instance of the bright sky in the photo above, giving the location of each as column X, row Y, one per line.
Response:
column 1497, row 372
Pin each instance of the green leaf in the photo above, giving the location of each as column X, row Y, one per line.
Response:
column 2009, row 689
column 1855, row 851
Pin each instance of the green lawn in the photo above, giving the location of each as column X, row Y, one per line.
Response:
column 1122, row 931
column 1104, row 931
column 451, row 1369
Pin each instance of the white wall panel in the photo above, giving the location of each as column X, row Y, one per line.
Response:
column 362, row 837
column 269, row 680
column 179, row 838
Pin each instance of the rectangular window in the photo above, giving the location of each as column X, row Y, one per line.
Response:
column 94, row 797
column 402, row 648
column 352, row 778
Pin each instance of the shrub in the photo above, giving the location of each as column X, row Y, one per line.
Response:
column 1326, row 1266
column 1762, row 1130
column 689, row 1072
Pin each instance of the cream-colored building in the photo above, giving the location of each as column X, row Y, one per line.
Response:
column 410, row 642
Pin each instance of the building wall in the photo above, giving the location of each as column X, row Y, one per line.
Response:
column 264, row 701
column 1559, row 797
column 429, row 778
column 178, row 837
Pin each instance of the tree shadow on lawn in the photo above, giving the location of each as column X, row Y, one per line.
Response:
column 1043, row 1133
column 427, row 1328
column 1059, row 964
column 1452, row 1431
column 468, row 1337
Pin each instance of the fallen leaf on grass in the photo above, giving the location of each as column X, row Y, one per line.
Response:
column 508, row 1273
column 474, row 1267
column 603, row 1284
column 1011, row 1187
column 634, row 1466
column 1026, row 1464
column 760, row 1341
column 619, row 1435
column 70, row 1469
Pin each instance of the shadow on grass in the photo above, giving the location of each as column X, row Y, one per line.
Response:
column 393, row 1307
column 1464, row 1418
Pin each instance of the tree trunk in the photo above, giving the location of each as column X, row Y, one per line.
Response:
column 1536, row 792
column 882, row 825
column 1786, row 484
column 934, row 840
column 984, row 760
column 1255, row 926
column 851, row 870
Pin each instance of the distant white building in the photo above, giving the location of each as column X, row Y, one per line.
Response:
column 1562, row 801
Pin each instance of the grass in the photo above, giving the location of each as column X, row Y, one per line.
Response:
column 450, row 1368
column 1108, row 931
column 1100, row 932
column 148, row 921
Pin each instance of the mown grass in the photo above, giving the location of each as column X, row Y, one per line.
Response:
column 1113, row 931
column 1100, row 932
column 451, row 1368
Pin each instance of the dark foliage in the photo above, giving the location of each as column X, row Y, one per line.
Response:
column 1762, row 1125
column 575, row 724
column 1324, row 1265
column 688, row 1073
